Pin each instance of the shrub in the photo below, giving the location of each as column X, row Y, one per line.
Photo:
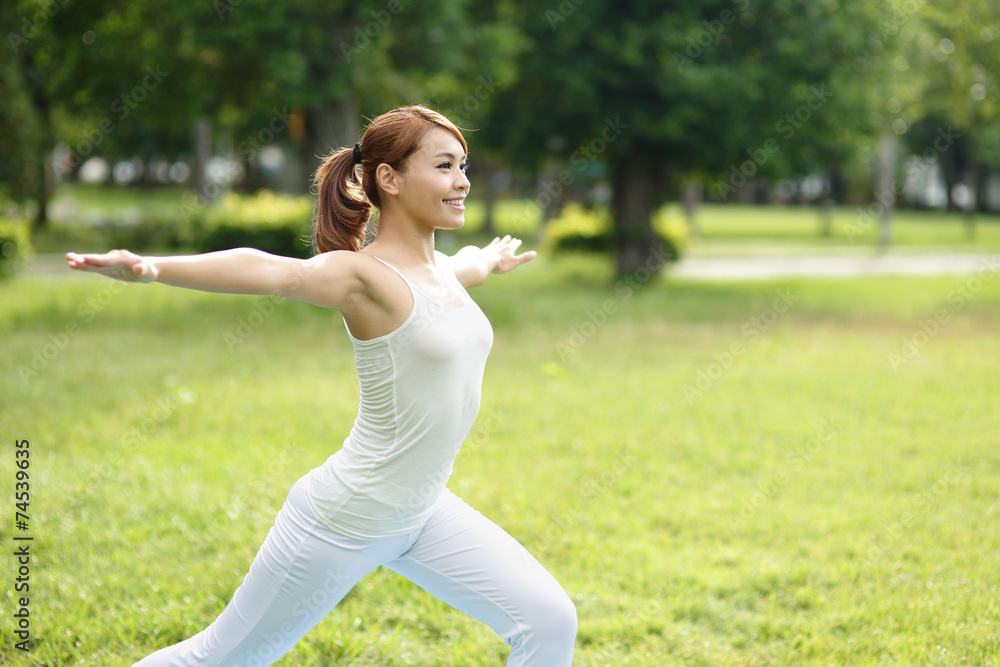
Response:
column 278, row 224
column 15, row 245
column 591, row 230
column 152, row 232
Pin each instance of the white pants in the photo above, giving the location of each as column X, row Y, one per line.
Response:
column 304, row 569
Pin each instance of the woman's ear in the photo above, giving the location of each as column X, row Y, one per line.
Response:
column 387, row 179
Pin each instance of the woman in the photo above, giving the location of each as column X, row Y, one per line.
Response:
column 420, row 345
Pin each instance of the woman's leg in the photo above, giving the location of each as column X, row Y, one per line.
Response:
column 300, row 573
column 469, row 562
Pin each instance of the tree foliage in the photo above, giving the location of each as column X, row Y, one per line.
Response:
column 722, row 90
column 653, row 93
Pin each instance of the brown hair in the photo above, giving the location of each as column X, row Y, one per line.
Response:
column 345, row 199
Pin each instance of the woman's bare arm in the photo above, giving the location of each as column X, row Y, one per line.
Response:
column 328, row 280
column 473, row 265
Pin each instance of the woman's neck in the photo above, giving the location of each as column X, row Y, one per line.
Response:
column 405, row 242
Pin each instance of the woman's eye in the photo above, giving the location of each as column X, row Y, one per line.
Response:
column 444, row 165
column 464, row 167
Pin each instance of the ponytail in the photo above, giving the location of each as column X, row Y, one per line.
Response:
column 345, row 197
column 343, row 209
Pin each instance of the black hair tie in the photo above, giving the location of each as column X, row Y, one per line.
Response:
column 357, row 153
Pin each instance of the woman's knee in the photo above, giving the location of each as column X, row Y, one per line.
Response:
column 554, row 618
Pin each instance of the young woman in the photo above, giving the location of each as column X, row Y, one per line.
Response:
column 420, row 344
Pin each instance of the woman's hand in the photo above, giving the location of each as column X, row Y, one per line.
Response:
column 501, row 254
column 118, row 264
column 473, row 265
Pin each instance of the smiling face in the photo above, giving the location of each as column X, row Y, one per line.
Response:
column 432, row 185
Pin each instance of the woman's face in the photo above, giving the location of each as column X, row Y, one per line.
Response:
column 433, row 184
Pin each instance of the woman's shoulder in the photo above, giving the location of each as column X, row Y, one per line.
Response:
column 444, row 262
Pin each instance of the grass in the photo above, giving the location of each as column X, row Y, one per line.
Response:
column 82, row 198
column 739, row 229
column 806, row 500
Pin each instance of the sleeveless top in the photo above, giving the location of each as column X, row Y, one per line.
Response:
column 420, row 393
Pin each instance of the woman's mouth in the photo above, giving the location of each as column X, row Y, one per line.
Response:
column 457, row 204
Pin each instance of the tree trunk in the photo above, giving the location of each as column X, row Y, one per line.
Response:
column 826, row 207
column 982, row 188
column 202, row 152
column 838, row 187
column 693, row 195
column 826, row 218
column 975, row 169
column 634, row 179
column 550, row 192
column 333, row 126
column 46, row 174
column 885, row 193
column 949, row 168
column 489, row 200
column 42, row 216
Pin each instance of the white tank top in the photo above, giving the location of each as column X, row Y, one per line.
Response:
column 420, row 392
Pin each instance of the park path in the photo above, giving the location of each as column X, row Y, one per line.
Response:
column 743, row 268
column 834, row 266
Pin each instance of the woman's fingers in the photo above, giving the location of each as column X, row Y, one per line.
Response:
column 117, row 264
column 83, row 262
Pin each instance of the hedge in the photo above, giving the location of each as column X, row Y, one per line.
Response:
column 15, row 245
column 278, row 224
column 590, row 230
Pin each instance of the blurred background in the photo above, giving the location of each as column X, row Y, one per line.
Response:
column 612, row 127
column 783, row 470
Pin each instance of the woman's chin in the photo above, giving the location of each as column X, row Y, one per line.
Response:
column 454, row 223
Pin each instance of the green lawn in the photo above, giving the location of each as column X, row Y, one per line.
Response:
column 739, row 229
column 772, row 473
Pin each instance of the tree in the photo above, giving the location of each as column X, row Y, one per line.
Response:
column 21, row 134
column 660, row 90
column 100, row 79
column 956, row 48
column 339, row 60
column 136, row 79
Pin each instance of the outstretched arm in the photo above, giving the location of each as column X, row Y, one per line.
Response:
column 473, row 265
column 327, row 280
